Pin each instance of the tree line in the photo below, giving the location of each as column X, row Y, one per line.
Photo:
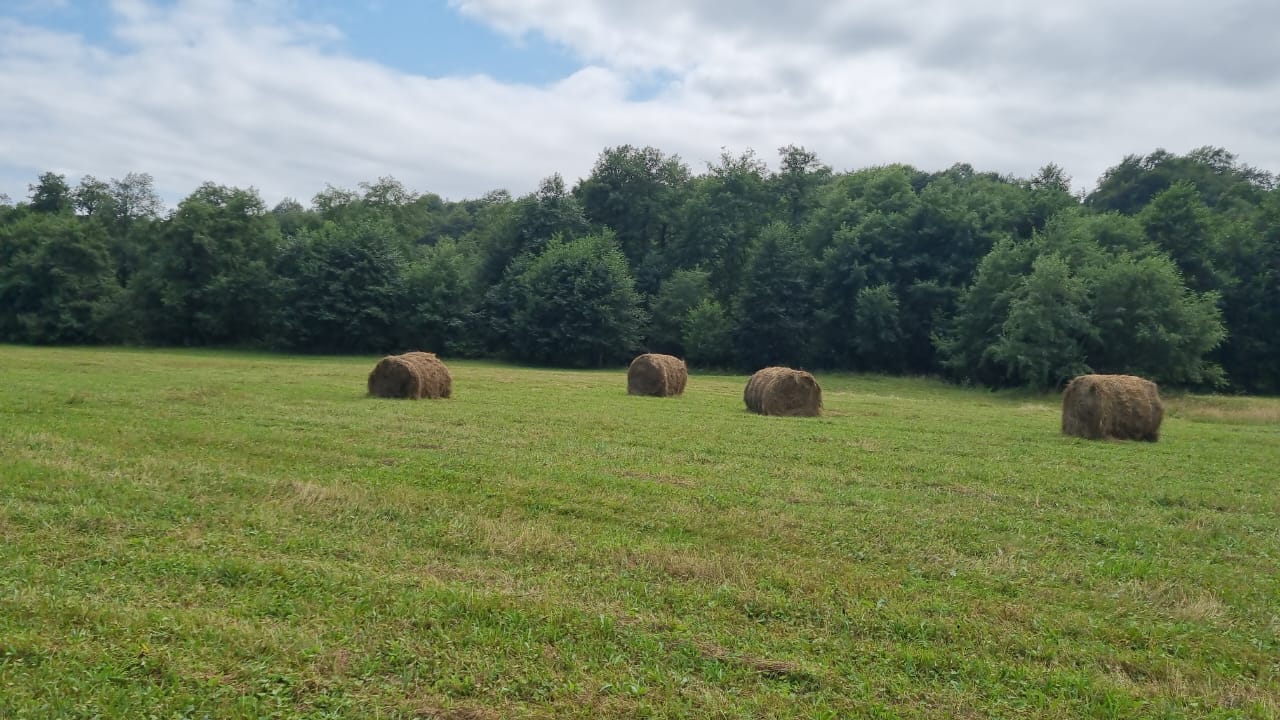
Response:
column 1169, row 268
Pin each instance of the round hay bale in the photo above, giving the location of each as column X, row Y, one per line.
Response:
column 411, row 375
column 1120, row 407
column 657, row 375
column 783, row 391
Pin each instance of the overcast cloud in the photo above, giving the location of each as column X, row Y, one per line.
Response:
column 243, row 92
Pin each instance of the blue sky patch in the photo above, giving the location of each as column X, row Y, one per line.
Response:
column 91, row 20
column 432, row 39
column 420, row 38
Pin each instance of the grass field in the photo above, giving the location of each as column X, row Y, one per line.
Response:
column 201, row 534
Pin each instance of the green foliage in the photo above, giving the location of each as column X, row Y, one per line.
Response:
column 411, row 216
column 1251, row 300
column 1219, row 178
column 292, row 218
column 843, row 272
column 440, row 297
column 528, row 225
column 921, row 235
column 119, row 203
column 92, row 197
column 56, row 282
column 341, row 290
column 798, row 183
column 1075, row 298
column 723, row 213
column 877, row 332
column 983, row 308
column 679, row 294
column 889, row 268
column 550, row 212
column 208, row 280
column 1179, row 223
column 1050, row 194
column 407, row 217
column 707, row 335
column 51, row 195
column 957, row 221
column 1148, row 323
column 773, row 315
column 634, row 192
column 1042, row 339
column 574, row 304
column 129, row 211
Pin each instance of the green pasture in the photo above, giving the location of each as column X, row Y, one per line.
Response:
column 214, row 534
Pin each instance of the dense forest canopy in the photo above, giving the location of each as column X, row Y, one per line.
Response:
column 1169, row 268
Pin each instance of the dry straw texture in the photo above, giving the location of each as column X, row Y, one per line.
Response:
column 654, row 374
column 411, row 375
column 783, row 391
column 1121, row 407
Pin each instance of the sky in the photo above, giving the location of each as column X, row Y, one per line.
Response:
column 462, row 97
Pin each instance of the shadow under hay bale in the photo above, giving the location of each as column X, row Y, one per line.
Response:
column 412, row 375
column 657, row 375
column 1120, row 407
column 783, row 391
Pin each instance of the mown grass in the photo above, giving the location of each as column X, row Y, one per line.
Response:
column 200, row 534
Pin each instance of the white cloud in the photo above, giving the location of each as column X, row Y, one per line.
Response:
column 242, row 92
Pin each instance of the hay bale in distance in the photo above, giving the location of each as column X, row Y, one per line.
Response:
column 657, row 375
column 783, row 391
column 412, row 375
column 1121, row 407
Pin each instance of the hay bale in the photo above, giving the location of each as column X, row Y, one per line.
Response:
column 658, row 375
column 411, row 375
column 783, row 391
column 1122, row 407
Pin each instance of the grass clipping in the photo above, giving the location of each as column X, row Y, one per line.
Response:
column 783, row 391
column 412, row 375
column 1120, row 407
column 658, row 375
